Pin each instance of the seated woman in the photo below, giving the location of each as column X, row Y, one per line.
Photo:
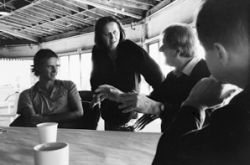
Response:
column 49, row 100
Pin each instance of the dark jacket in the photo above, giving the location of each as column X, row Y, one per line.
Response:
column 225, row 141
column 175, row 89
column 131, row 62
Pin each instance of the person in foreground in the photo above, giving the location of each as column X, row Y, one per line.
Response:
column 49, row 100
column 223, row 29
column 120, row 63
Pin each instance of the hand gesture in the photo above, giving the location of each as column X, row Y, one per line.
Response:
column 140, row 103
column 107, row 92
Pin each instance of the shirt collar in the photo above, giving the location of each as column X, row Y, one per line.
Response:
column 187, row 70
column 37, row 87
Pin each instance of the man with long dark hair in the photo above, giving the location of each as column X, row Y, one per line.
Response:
column 119, row 62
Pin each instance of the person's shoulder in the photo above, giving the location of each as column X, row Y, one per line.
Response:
column 202, row 62
column 133, row 49
column 171, row 74
column 95, row 49
column 98, row 53
column 201, row 68
column 65, row 82
column 128, row 43
column 27, row 92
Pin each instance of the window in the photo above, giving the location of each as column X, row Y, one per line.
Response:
column 158, row 57
column 16, row 73
column 63, row 72
column 77, row 68
column 15, row 76
column 74, row 70
column 86, row 68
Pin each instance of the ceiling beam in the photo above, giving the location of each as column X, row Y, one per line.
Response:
column 140, row 2
column 8, row 30
column 144, row 2
column 158, row 7
column 104, row 7
column 128, row 4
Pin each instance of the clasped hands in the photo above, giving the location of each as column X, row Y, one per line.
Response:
column 207, row 93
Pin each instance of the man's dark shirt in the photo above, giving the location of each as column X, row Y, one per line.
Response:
column 131, row 62
column 225, row 141
column 175, row 89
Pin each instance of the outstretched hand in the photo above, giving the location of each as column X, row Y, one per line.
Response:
column 139, row 103
column 107, row 92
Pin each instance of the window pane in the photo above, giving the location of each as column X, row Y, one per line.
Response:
column 74, row 70
column 86, row 68
column 154, row 54
column 159, row 58
column 17, row 73
column 15, row 77
column 63, row 72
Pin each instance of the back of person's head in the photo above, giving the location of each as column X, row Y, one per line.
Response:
column 182, row 38
column 99, row 26
column 224, row 22
column 40, row 57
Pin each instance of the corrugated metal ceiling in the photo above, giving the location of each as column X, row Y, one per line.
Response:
column 33, row 21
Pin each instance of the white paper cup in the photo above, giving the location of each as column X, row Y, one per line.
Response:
column 56, row 153
column 47, row 132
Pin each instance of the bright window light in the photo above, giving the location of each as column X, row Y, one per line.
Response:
column 86, row 68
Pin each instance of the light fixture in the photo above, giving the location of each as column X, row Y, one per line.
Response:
column 4, row 11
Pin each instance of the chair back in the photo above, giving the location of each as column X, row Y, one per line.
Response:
column 91, row 115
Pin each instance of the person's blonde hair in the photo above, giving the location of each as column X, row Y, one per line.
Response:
column 181, row 36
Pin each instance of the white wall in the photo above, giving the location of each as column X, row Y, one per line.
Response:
column 178, row 11
column 85, row 41
column 18, row 51
column 63, row 46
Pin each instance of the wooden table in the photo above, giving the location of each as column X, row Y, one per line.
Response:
column 86, row 147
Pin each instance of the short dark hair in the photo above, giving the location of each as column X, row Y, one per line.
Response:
column 99, row 29
column 40, row 57
column 181, row 36
column 223, row 21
